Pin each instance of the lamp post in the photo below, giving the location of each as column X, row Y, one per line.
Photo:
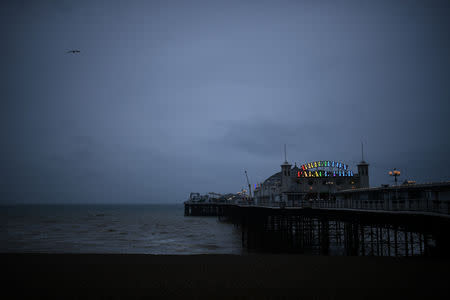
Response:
column 395, row 173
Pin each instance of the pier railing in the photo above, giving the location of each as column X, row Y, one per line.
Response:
column 413, row 205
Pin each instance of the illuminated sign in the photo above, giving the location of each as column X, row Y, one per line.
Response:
column 323, row 173
column 332, row 169
column 324, row 163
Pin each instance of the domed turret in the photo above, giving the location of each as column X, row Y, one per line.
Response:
column 285, row 173
column 363, row 171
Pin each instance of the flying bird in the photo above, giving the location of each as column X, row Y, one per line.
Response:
column 74, row 51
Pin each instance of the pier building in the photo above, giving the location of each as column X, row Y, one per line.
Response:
column 433, row 196
column 313, row 180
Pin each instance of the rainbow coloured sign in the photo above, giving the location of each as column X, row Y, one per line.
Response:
column 324, row 168
column 323, row 173
column 324, row 164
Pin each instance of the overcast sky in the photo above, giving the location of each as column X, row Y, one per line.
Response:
column 169, row 97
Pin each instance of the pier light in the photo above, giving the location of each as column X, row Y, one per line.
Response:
column 394, row 173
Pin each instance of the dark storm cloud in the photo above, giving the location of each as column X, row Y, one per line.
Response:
column 168, row 97
column 264, row 137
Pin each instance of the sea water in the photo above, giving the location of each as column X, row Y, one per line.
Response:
column 152, row 229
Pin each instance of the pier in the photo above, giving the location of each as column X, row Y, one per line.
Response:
column 330, row 228
column 202, row 209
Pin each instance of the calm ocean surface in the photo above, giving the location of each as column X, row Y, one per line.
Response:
column 153, row 229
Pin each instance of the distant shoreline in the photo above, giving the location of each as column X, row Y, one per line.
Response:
column 223, row 276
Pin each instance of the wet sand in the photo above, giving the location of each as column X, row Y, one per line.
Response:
column 133, row 276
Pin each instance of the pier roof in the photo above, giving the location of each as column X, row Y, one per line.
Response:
column 275, row 178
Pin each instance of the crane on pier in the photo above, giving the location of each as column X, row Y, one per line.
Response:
column 249, row 186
